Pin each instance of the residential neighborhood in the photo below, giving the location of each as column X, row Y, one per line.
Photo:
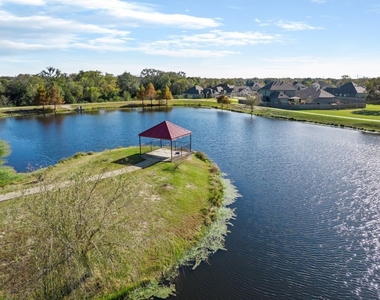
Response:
column 281, row 94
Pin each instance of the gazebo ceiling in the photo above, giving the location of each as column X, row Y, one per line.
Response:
column 165, row 131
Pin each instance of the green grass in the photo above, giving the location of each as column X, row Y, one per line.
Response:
column 371, row 112
column 108, row 160
column 163, row 223
column 362, row 119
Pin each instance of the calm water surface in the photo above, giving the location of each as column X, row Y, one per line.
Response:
column 308, row 221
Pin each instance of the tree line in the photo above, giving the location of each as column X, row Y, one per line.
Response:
column 53, row 87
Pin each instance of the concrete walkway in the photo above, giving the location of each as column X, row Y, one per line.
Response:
column 142, row 165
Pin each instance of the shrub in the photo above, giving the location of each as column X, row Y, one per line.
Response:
column 200, row 155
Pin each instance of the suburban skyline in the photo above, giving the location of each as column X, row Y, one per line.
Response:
column 214, row 39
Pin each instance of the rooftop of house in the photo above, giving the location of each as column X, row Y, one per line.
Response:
column 196, row 89
column 279, row 95
column 315, row 93
column 348, row 88
column 278, row 86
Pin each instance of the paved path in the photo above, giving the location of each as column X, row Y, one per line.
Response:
column 144, row 164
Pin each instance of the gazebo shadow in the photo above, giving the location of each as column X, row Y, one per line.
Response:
column 129, row 160
column 165, row 154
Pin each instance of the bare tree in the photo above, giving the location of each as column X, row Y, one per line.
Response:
column 252, row 100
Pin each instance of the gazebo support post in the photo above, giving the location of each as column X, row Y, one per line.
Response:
column 166, row 131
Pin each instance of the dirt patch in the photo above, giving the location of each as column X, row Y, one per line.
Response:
column 167, row 186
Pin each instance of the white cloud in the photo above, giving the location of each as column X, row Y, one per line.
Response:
column 225, row 38
column 211, row 44
column 205, row 53
column 296, row 26
column 318, row 1
column 38, row 33
column 138, row 14
column 130, row 13
column 42, row 23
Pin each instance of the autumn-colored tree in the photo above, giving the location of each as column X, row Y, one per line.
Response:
column 150, row 93
column 41, row 97
column 223, row 99
column 55, row 97
column 141, row 94
column 166, row 94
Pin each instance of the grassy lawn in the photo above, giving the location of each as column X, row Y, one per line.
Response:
column 162, row 218
column 371, row 112
column 99, row 162
column 362, row 119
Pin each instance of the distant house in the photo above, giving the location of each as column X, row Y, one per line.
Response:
column 223, row 89
column 241, row 91
column 282, row 95
column 254, row 86
column 320, row 84
column 315, row 96
column 276, row 92
column 348, row 93
column 299, row 86
column 194, row 92
column 208, row 93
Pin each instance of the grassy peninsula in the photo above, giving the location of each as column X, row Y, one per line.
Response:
column 109, row 238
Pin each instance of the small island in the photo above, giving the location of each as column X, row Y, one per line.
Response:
column 87, row 235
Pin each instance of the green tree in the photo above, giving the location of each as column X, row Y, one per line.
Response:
column 345, row 79
column 72, row 91
column 128, row 83
column 141, row 94
column 109, row 89
column 50, row 75
column 4, row 99
column 373, row 90
column 150, row 93
column 179, row 85
column 22, row 89
column 126, row 96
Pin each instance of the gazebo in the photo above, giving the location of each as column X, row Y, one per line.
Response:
column 167, row 131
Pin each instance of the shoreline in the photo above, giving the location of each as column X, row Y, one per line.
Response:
column 333, row 118
column 188, row 237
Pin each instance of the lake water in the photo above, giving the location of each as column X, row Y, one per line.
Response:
column 308, row 221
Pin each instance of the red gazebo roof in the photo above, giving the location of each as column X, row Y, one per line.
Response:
column 166, row 131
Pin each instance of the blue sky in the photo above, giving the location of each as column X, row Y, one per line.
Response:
column 209, row 38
